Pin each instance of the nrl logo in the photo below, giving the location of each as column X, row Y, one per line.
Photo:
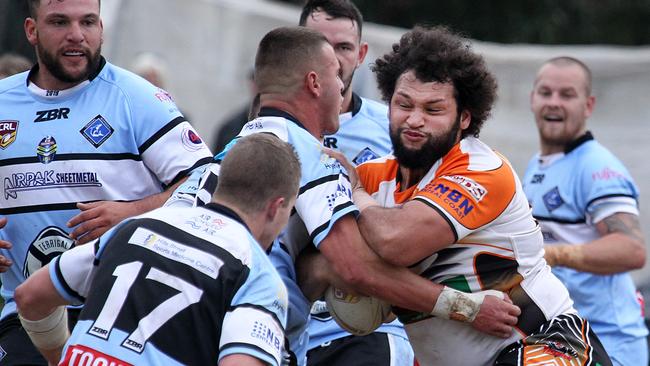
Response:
column 8, row 131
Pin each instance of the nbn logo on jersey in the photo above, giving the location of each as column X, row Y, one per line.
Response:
column 266, row 334
column 452, row 198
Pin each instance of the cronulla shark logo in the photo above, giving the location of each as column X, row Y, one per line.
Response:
column 47, row 179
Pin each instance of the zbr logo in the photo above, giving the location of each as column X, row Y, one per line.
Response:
column 46, row 149
column 8, row 132
column 49, row 243
column 97, row 131
column 191, row 141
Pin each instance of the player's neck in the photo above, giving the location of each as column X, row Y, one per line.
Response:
column 45, row 80
column 409, row 177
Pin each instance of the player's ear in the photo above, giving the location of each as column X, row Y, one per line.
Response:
column 273, row 208
column 312, row 83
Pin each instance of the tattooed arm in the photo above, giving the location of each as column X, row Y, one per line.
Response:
column 620, row 248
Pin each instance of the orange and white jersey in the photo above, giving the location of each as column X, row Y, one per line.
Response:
column 498, row 243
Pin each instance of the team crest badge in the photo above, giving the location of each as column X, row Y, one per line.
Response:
column 365, row 155
column 552, row 199
column 97, row 131
column 46, row 149
column 8, row 131
column 191, row 141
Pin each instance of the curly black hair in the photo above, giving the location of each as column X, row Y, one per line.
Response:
column 440, row 55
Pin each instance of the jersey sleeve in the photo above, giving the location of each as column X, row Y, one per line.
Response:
column 72, row 273
column 605, row 187
column 323, row 201
column 170, row 147
column 469, row 199
column 255, row 323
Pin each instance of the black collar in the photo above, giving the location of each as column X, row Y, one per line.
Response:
column 226, row 211
column 356, row 104
column 93, row 75
column 274, row 112
column 579, row 141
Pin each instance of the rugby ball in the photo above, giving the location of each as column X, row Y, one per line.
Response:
column 359, row 315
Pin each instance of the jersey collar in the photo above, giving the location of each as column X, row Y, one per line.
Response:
column 226, row 211
column 274, row 112
column 93, row 75
column 579, row 141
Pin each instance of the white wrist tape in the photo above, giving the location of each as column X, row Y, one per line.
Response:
column 362, row 199
column 50, row 332
column 461, row 306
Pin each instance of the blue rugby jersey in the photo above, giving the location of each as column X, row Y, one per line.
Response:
column 324, row 197
column 363, row 135
column 569, row 192
column 113, row 137
column 174, row 286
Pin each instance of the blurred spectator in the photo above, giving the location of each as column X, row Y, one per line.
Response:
column 151, row 67
column 11, row 64
column 230, row 126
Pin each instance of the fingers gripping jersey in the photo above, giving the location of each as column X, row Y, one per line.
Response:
column 498, row 246
column 114, row 137
column 174, row 286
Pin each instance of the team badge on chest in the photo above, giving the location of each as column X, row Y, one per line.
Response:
column 8, row 131
column 552, row 199
column 97, row 131
column 46, row 149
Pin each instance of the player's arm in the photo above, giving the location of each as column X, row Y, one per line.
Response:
column 241, row 360
column 96, row 218
column 42, row 314
column 620, row 248
column 402, row 235
column 364, row 270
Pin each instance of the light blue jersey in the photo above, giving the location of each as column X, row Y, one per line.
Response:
column 569, row 192
column 324, row 198
column 363, row 132
column 113, row 137
column 363, row 135
column 173, row 287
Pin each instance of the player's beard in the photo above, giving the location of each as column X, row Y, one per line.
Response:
column 433, row 149
column 348, row 83
column 57, row 70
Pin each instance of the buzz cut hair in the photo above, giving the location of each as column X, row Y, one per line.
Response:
column 284, row 55
column 568, row 61
column 34, row 4
column 335, row 9
column 256, row 170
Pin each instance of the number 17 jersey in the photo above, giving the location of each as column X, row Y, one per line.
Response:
column 173, row 287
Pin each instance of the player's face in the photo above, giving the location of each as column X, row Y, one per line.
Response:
column 332, row 89
column 561, row 105
column 68, row 36
column 343, row 35
column 424, row 122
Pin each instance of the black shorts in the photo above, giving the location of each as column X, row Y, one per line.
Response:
column 564, row 340
column 370, row 350
column 16, row 347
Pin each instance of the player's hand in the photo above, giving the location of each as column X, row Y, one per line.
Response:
column 5, row 262
column 496, row 316
column 355, row 183
column 96, row 218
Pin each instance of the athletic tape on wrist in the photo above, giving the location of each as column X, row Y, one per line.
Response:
column 362, row 199
column 461, row 306
column 50, row 332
